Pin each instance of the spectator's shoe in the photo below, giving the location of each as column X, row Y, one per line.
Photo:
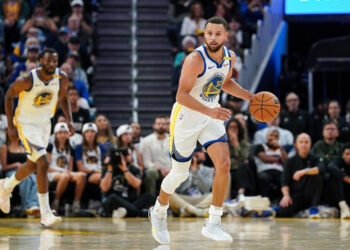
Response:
column 314, row 214
column 119, row 213
column 215, row 232
column 159, row 226
column 49, row 219
column 32, row 211
column 345, row 213
column 76, row 207
column 5, row 196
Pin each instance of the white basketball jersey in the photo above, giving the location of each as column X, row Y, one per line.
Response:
column 59, row 159
column 208, row 85
column 38, row 104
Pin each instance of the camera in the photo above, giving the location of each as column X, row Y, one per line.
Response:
column 116, row 153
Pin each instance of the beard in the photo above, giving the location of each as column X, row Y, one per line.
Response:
column 160, row 131
column 47, row 71
column 218, row 47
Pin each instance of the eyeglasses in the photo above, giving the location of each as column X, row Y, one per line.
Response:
column 292, row 100
column 330, row 129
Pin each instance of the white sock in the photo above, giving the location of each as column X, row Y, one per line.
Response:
column 159, row 208
column 11, row 183
column 342, row 205
column 215, row 214
column 44, row 204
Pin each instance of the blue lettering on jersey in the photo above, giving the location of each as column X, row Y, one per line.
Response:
column 213, row 87
column 43, row 98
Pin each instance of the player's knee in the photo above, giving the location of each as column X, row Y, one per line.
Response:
column 223, row 166
column 177, row 175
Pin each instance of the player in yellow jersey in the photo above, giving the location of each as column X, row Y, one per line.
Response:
column 39, row 92
column 198, row 118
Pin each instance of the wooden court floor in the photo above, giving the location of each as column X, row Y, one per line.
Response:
column 185, row 234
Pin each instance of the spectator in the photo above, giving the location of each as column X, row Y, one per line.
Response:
column 77, row 9
column 285, row 139
column 333, row 114
column 136, row 134
column 80, row 116
column 193, row 196
column 78, row 73
column 13, row 14
column 294, row 119
column 269, row 159
column 74, row 45
column 239, row 150
column 55, row 8
column 61, row 44
column 3, row 69
column 104, row 132
column 189, row 43
column 90, row 155
column 40, row 20
column 79, row 85
column 347, row 112
column 74, row 140
column 167, row 124
column 124, row 139
column 339, row 170
column 194, row 22
column 155, row 152
column 302, row 181
column 221, row 11
column 12, row 156
column 3, row 119
column 120, row 183
column 75, row 29
column 328, row 148
column 61, row 158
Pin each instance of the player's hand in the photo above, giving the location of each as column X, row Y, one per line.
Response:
column 298, row 174
column 71, row 129
column 220, row 113
column 286, row 201
column 12, row 133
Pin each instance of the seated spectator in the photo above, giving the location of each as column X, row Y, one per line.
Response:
column 294, row 119
column 120, row 183
column 347, row 112
column 104, row 132
column 333, row 114
column 75, row 45
column 339, row 170
column 13, row 14
column 80, row 116
column 77, row 9
column 40, row 20
column 136, row 137
column 328, row 148
column 221, row 11
column 239, row 150
column 155, row 153
column 61, row 159
column 193, row 196
column 269, row 159
column 302, row 180
column 124, row 139
column 55, row 8
column 90, row 155
column 75, row 29
column 12, row 156
column 79, row 85
column 194, row 22
column 189, row 43
column 61, row 44
column 167, row 124
column 78, row 73
column 285, row 139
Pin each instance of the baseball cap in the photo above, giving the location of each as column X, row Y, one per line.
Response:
column 33, row 47
column 77, row 2
column 125, row 128
column 63, row 29
column 73, row 53
column 61, row 126
column 89, row 126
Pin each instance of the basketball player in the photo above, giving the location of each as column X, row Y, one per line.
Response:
column 197, row 116
column 38, row 94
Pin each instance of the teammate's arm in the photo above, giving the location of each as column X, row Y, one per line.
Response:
column 65, row 104
column 22, row 83
column 193, row 66
column 232, row 87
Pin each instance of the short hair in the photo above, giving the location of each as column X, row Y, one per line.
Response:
column 241, row 130
column 72, row 88
column 273, row 129
column 217, row 20
column 328, row 122
column 48, row 50
column 334, row 101
column 345, row 147
column 158, row 117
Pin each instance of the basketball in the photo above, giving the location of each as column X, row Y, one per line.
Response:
column 264, row 106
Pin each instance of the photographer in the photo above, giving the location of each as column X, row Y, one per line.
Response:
column 119, row 184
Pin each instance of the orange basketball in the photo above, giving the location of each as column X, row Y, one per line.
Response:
column 264, row 106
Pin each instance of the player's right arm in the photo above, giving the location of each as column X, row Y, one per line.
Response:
column 22, row 83
column 192, row 67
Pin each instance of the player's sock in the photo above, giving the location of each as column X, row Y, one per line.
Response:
column 44, row 204
column 215, row 214
column 160, row 208
column 11, row 183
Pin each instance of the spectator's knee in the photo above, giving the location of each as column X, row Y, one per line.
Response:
column 151, row 174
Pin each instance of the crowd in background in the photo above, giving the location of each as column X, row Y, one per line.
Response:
column 299, row 160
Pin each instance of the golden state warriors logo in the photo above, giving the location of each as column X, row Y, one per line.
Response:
column 43, row 98
column 62, row 161
column 212, row 88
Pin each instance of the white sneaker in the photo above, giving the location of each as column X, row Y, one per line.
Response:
column 345, row 213
column 5, row 196
column 159, row 226
column 215, row 232
column 32, row 211
column 119, row 213
column 50, row 220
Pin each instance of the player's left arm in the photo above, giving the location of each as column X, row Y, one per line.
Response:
column 232, row 87
column 64, row 102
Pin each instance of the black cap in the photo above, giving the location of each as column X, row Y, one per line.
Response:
column 74, row 40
